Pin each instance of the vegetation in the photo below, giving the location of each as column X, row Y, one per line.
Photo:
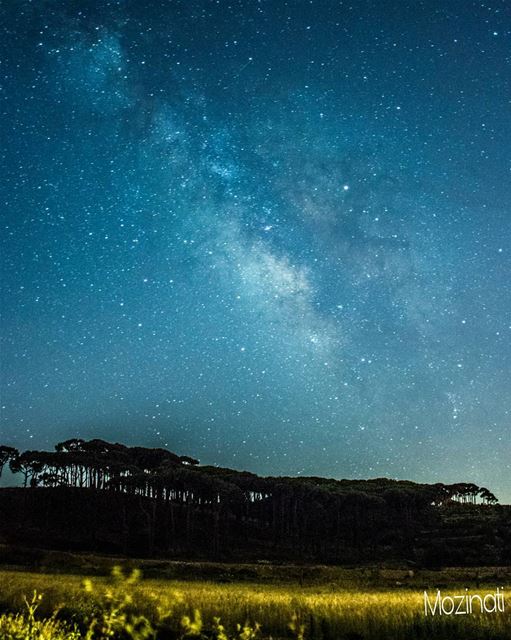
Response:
column 125, row 607
column 100, row 496
column 161, row 474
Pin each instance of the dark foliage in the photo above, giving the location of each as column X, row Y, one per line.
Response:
column 103, row 496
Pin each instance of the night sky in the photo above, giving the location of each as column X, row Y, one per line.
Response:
column 275, row 236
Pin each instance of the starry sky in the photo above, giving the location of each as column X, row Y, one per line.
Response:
column 273, row 235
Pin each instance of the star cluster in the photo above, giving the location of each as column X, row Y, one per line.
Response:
column 271, row 235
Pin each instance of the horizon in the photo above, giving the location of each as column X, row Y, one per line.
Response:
column 7, row 473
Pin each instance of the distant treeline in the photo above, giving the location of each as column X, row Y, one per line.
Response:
column 102, row 496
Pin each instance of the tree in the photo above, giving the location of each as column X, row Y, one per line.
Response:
column 29, row 465
column 6, row 455
column 74, row 444
column 487, row 496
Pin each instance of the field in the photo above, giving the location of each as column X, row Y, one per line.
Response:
column 245, row 602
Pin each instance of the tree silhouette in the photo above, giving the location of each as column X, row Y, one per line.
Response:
column 151, row 500
column 6, row 455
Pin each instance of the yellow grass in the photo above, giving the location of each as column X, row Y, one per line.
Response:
column 180, row 609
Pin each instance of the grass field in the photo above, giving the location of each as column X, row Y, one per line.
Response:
column 355, row 604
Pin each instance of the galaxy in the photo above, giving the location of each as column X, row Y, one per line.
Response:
column 274, row 236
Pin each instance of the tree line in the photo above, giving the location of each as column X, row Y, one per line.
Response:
column 157, row 502
column 161, row 474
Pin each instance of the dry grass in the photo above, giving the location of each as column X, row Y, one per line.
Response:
column 126, row 607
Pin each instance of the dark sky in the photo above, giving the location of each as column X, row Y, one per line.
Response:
column 272, row 235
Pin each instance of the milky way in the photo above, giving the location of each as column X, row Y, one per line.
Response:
column 271, row 235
